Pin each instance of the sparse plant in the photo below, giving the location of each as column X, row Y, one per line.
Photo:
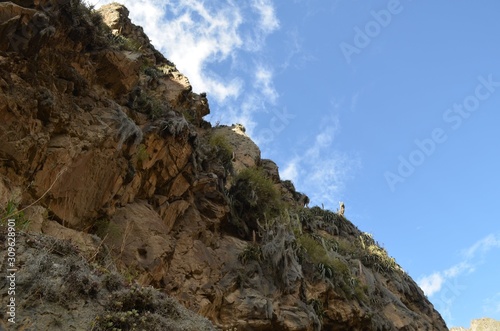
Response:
column 251, row 253
column 127, row 44
column 316, row 218
column 254, row 199
column 326, row 271
column 348, row 248
column 173, row 124
column 223, row 150
column 360, row 292
column 280, row 248
column 104, row 228
column 318, row 308
column 125, row 127
column 372, row 254
column 153, row 72
column 189, row 116
column 315, row 250
column 11, row 211
column 140, row 308
column 143, row 102
column 141, row 154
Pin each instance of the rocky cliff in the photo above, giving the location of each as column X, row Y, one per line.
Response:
column 482, row 324
column 132, row 212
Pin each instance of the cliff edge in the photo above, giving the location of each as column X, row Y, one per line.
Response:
column 132, row 212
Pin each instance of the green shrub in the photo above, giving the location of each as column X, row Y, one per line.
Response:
column 316, row 218
column 139, row 308
column 189, row 116
column 348, row 248
column 103, row 228
column 318, row 308
column 375, row 256
column 152, row 72
column 11, row 212
column 146, row 104
column 254, row 199
column 127, row 44
column 330, row 268
column 223, row 150
column 250, row 253
column 315, row 251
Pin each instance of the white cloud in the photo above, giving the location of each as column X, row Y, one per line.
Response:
column 446, row 283
column 322, row 140
column 267, row 23
column 297, row 56
column 321, row 171
column 482, row 246
column 264, row 83
column 458, row 269
column 290, row 171
column 432, row 283
column 195, row 34
column 268, row 19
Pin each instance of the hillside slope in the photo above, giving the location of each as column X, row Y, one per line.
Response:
column 105, row 160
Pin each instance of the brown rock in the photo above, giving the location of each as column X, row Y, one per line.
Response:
column 271, row 170
column 77, row 147
column 117, row 71
column 173, row 211
column 246, row 152
column 139, row 238
column 38, row 222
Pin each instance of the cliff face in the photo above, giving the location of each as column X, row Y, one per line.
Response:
column 104, row 150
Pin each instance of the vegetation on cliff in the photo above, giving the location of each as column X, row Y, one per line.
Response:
column 117, row 183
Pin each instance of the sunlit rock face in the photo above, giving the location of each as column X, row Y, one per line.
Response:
column 105, row 150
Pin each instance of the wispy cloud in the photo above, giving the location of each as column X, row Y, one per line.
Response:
column 268, row 20
column 444, row 287
column 296, row 55
column 482, row 246
column 197, row 34
column 432, row 283
column 324, row 138
column 264, row 83
column 472, row 256
column 491, row 306
column 321, row 170
column 291, row 170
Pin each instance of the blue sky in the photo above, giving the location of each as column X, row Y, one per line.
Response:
column 390, row 106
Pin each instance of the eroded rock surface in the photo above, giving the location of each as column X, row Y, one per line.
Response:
column 104, row 149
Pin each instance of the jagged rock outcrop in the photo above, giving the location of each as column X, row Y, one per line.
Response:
column 104, row 148
column 246, row 152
